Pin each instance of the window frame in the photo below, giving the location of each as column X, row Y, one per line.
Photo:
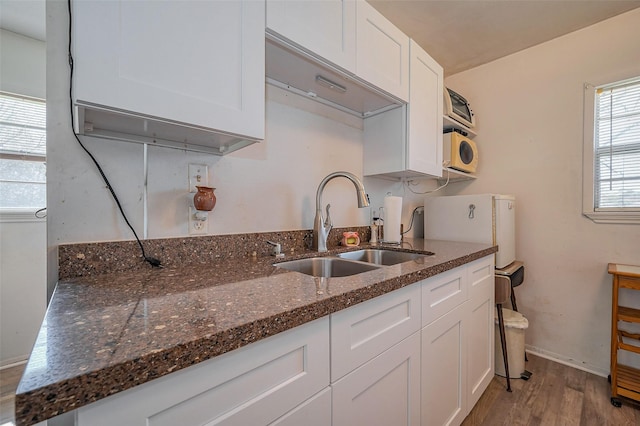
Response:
column 603, row 215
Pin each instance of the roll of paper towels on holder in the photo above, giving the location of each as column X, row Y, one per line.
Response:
column 392, row 219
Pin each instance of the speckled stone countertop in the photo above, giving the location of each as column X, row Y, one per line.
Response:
column 107, row 332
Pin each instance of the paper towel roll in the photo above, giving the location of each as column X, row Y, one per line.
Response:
column 392, row 219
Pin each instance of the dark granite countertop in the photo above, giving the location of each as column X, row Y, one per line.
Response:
column 106, row 333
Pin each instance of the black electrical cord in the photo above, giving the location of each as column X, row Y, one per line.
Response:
column 151, row 260
column 411, row 223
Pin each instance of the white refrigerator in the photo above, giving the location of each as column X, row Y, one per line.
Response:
column 482, row 218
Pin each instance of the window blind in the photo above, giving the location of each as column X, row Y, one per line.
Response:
column 22, row 126
column 22, row 152
column 617, row 147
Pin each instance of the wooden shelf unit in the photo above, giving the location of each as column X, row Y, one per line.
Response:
column 625, row 380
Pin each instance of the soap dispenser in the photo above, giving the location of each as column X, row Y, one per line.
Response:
column 374, row 228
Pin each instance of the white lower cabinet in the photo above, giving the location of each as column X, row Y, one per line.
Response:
column 444, row 378
column 457, row 344
column 384, row 391
column 481, row 329
column 316, row 411
column 254, row 385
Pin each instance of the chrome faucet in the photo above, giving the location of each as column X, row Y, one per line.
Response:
column 322, row 227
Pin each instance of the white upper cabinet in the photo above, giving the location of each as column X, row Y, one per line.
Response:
column 407, row 142
column 175, row 73
column 326, row 28
column 424, row 151
column 382, row 52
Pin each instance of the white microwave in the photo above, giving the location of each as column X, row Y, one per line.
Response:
column 457, row 107
column 459, row 152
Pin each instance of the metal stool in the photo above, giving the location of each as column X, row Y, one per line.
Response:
column 514, row 272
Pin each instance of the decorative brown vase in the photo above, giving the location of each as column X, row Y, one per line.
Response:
column 204, row 199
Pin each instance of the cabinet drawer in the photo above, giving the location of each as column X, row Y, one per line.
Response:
column 363, row 331
column 481, row 275
column 252, row 385
column 443, row 292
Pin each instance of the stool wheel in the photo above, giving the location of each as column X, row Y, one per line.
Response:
column 616, row 402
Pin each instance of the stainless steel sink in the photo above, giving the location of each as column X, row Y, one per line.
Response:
column 326, row 267
column 381, row 257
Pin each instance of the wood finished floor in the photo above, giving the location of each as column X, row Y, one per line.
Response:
column 555, row 395
column 9, row 378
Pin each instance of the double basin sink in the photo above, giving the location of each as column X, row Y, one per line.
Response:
column 349, row 263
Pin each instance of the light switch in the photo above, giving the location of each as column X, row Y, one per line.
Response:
column 198, row 176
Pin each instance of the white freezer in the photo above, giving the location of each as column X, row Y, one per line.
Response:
column 483, row 218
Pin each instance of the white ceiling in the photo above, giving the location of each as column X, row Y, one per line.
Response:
column 26, row 17
column 459, row 34
column 462, row 34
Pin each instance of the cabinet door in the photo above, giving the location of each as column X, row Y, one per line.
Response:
column 194, row 62
column 363, row 331
column 382, row 52
column 384, row 391
column 316, row 411
column 424, row 152
column 481, row 328
column 253, row 385
column 326, row 28
column 444, row 371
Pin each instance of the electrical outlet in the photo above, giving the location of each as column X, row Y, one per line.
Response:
column 198, row 176
column 197, row 227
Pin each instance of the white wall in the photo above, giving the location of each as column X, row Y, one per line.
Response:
column 23, row 237
column 22, row 65
column 269, row 186
column 23, row 297
column 529, row 113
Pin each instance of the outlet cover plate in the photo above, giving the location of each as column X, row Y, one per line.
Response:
column 197, row 227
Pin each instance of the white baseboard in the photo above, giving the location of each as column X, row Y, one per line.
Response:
column 543, row 353
column 12, row 363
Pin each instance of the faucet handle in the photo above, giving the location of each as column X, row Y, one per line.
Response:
column 328, row 223
column 276, row 249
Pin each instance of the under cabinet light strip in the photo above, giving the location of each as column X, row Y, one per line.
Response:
column 330, row 84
